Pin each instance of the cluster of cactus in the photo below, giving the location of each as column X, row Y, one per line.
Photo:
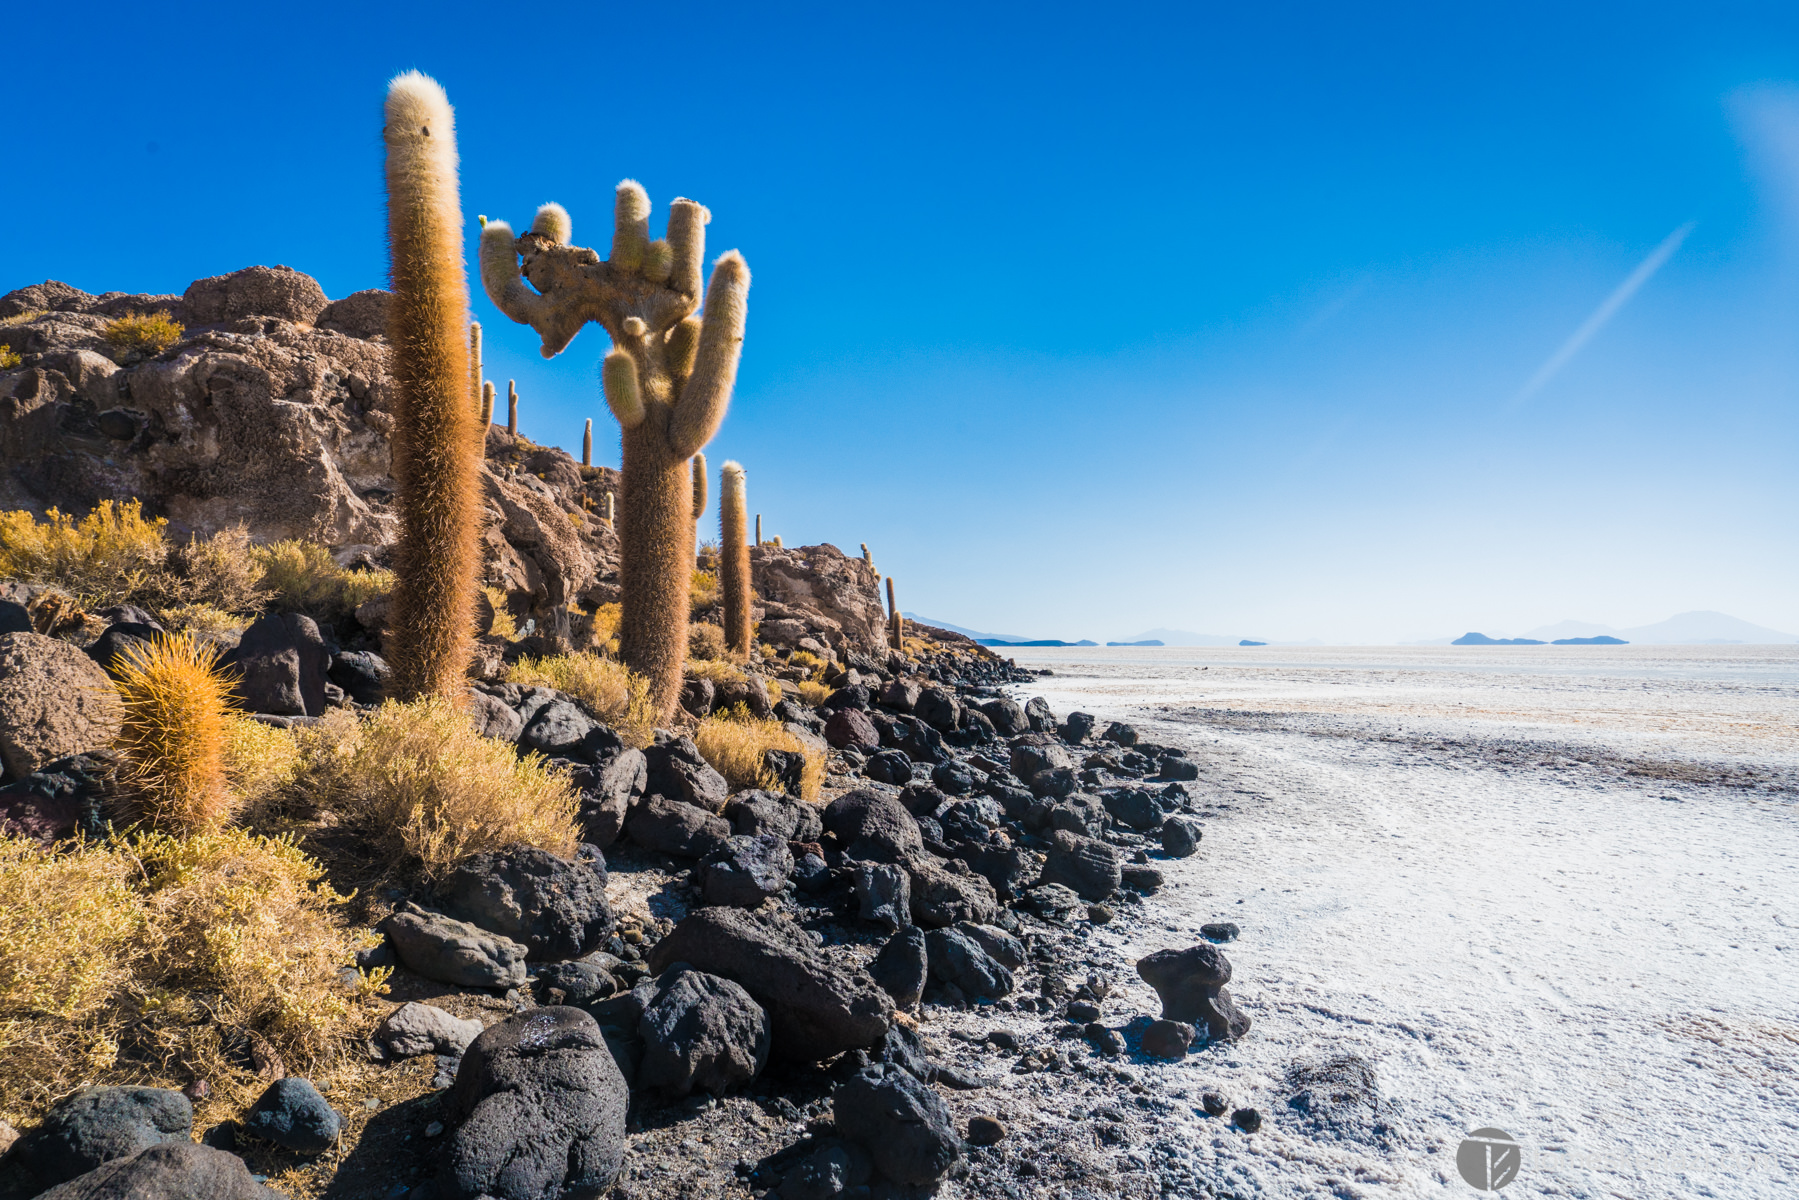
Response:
column 436, row 442
column 667, row 380
column 896, row 624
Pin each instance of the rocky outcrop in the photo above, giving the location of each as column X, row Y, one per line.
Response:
column 54, row 702
column 820, row 593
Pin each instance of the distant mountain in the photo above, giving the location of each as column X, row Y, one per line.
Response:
column 1706, row 628
column 1481, row 639
column 976, row 634
column 1181, row 637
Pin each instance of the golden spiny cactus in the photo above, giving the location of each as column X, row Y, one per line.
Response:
column 699, row 486
column 734, row 553
column 758, row 529
column 173, row 703
column 436, row 442
column 668, row 380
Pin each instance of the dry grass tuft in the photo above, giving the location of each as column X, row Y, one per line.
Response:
column 427, row 789
column 706, row 641
column 262, row 763
column 716, row 671
column 734, row 743
column 504, row 624
column 173, row 703
column 105, row 558
column 150, row 333
column 607, row 689
column 302, row 576
column 206, row 621
column 8, row 358
column 705, row 592
column 222, row 571
column 812, row 692
column 806, row 661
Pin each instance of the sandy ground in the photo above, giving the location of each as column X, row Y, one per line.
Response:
column 1555, row 893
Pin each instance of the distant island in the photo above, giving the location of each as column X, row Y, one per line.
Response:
column 1151, row 642
column 1043, row 642
column 1247, row 642
column 1602, row 640
column 1481, row 639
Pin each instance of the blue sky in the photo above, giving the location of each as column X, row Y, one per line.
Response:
column 1086, row 320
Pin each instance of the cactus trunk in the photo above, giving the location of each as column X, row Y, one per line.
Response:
column 734, row 555
column 587, row 444
column 474, row 364
column 435, row 442
column 896, row 623
column 486, row 407
column 512, row 407
column 655, row 540
column 699, row 486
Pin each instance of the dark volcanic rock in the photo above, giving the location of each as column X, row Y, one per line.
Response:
column 362, row 675
column 581, row 982
column 414, row 1029
column 1167, row 1039
column 560, row 729
column 170, row 1171
column 555, row 907
column 120, row 638
column 757, row 812
column 679, row 771
column 744, row 871
column 883, row 894
column 283, row 666
column 1038, row 714
column 1034, row 754
column 1144, row 879
column 938, row 708
column 608, row 790
column 871, row 825
column 1191, row 985
column 788, row 767
column 671, row 827
column 851, row 728
column 95, row 1126
column 701, row 1032
column 541, row 1111
column 902, row 1124
column 1124, row 735
column 954, row 778
column 449, row 951
column 818, row 1009
column 1134, row 809
column 902, row 966
column 1009, row 869
column 1077, row 727
column 60, row 799
column 1007, row 716
column 889, row 766
column 292, row 1114
column 1089, row 866
column 1181, row 835
column 958, row 959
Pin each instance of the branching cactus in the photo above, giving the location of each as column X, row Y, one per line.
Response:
column 699, row 487
column 734, row 553
column 436, row 444
column 668, row 380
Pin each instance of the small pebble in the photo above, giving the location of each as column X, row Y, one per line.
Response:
column 434, row 1129
column 1107, row 1041
column 199, row 1089
column 1081, row 1011
column 1214, row 1104
column 1220, row 931
column 372, row 1104
column 985, row 1131
column 1247, row 1119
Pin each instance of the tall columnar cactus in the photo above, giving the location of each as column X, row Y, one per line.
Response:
column 869, row 559
column 758, row 529
column 734, row 553
column 699, row 486
column 611, row 507
column 668, row 380
column 896, row 624
column 436, row 445
column 587, row 444
column 512, row 407
column 486, row 406
column 474, row 364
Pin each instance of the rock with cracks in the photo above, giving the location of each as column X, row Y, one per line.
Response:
column 701, row 1032
column 745, row 871
column 95, row 1126
column 556, row 908
column 55, row 701
column 171, row 1171
column 900, row 1122
column 449, row 951
column 1191, row 983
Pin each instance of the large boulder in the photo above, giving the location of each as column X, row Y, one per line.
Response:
column 1181, row 836
column 414, row 1029
column 1007, row 716
column 94, row 1126
column 943, row 896
column 679, row 771
column 745, row 871
column 1191, row 985
column 851, row 729
column 560, row 729
column 902, row 1124
column 883, row 894
column 700, row 1032
column 818, row 1008
column 54, row 701
column 121, row 638
column 835, row 596
column 555, row 907
column 363, row 676
column 177, row 1170
column 292, row 1114
column 787, row 817
column 938, row 707
column 956, row 958
column 253, row 292
column 540, row 1110
column 608, row 790
column 441, row 948
column 1091, row 867
column 283, row 666
column 873, row 826
column 671, row 827
column 902, row 966
column 1032, row 754
column 60, row 799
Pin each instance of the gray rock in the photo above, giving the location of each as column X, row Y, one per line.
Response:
column 55, row 702
column 1147, row 880
column 873, row 826
column 414, row 1029
column 1181, row 835
column 900, row 1122
column 362, row 675
column 850, row 728
column 178, row 1170
column 1077, row 727
column 900, row 695
column 493, row 716
column 1168, row 1039
column 902, row 967
column 540, row 1109
column 1032, row 754
column 555, row 907
column 1052, row 901
column 836, row 1169
column 283, row 666
column 811, row 874
column 1038, row 714
column 818, row 1008
column 787, row 767
column 745, row 871
column 291, row 1113
column 890, row 766
column 1124, row 735
column 939, row 708
column 1134, row 809
column 1089, row 866
column 955, row 778
column 1009, row 869
column 786, row 817
column 1001, row 946
column 958, row 959
column 1191, row 985
column 449, row 951
column 942, row 897
column 679, row 771
column 1007, row 716
column 121, row 638
column 608, row 791
column 671, row 827
column 884, row 894
column 98, row 1125
column 701, row 1032
column 581, row 982
column 560, row 729
column 1219, row 931
column 14, row 618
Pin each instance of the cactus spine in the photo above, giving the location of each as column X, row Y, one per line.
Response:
column 474, row 364
column 512, row 407
column 668, row 380
column 587, row 444
column 734, row 551
column 699, row 486
column 896, row 623
column 435, row 442
column 486, row 405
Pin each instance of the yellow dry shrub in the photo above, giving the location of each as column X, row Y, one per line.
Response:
column 705, row 641
column 221, row 571
column 705, row 591
column 504, row 625
column 261, row 761
column 104, row 558
column 610, row 691
column 774, row 690
column 812, row 692
column 8, row 358
column 73, row 929
column 429, row 790
column 205, row 621
column 734, row 742
column 249, row 917
column 606, row 619
column 302, row 575
column 716, row 671
column 151, row 332
column 173, row 702
column 806, row 661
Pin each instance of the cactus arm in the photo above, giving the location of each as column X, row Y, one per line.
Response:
column 683, row 344
column 707, row 392
column 699, row 486
column 557, row 324
column 631, row 227
column 687, row 242
column 553, row 222
column 618, row 379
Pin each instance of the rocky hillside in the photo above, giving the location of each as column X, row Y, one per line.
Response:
column 272, row 411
